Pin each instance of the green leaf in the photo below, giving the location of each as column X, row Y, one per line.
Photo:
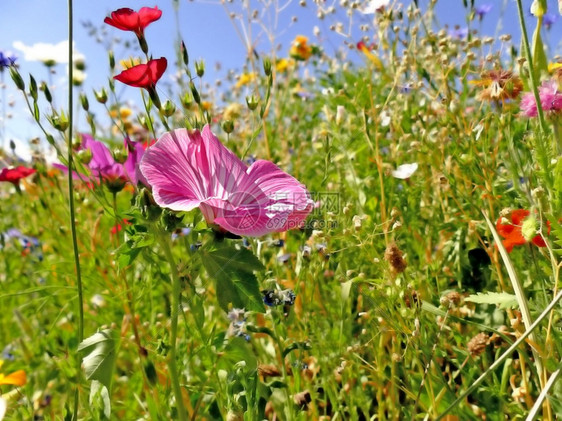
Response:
column 238, row 350
column 233, row 271
column 101, row 349
column 99, row 397
column 501, row 299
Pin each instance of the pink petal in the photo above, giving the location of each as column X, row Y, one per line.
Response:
column 289, row 200
column 187, row 169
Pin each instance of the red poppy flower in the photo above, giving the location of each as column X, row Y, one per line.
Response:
column 14, row 175
column 144, row 75
column 512, row 232
column 128, row 20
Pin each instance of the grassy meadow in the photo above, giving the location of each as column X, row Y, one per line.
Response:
column 421, row 281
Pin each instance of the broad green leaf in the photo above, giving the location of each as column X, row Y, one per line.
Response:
column 233, row 271
column 502, row 299
column 101, row 349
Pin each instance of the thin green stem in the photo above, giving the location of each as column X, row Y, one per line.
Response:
column 529, row 58
column 175, row 306
column 72, row 211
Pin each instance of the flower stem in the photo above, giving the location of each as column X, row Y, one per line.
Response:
column 72, row 212
column 175, row 306
column 529, row 58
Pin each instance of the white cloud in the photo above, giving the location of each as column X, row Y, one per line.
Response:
column 44, row 52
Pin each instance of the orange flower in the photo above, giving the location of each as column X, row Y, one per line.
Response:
column 17, row 378
column 300, row 49
column 519, row 228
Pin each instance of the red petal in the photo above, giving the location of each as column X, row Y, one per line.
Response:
column 147, row 15
column 518, row 216
column 125, row 19
column 144, row 75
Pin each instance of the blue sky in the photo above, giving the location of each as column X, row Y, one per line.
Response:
column 205, row 27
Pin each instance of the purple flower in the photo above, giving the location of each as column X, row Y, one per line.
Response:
column 7, row 59
column 551, row 100
column 459, row 33
column 549, row 19
column 190, row 169
column 482, row 10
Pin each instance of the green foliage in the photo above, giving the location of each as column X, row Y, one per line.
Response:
column 233, row 271
column 503, row 300
column 101, row 353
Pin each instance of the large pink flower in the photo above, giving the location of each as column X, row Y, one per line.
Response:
column 189, row 169
column 550, row 96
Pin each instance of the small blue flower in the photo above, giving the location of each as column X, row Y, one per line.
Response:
column 549, row 19
column 459, row 33
column 482, row 10
column 7, row 59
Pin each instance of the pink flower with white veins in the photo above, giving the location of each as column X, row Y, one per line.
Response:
column 190, row 169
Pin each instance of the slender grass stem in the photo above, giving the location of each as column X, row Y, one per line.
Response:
column 175, row 306
column 72, row 210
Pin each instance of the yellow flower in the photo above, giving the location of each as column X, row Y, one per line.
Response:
column 300, row 49
column 17, row 378
column 130, row 62
column 206, row 105
column 245, row 79
column 124, row 113
column 283, row 64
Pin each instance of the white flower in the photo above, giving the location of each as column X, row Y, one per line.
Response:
column 405, row 171
column 47, row 53
column 375, row 6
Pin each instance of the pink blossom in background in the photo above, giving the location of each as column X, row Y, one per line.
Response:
column 103, row 166
column 551, row 99
column 190, row 169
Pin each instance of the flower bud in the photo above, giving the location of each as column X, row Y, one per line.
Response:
column 200, row 68
column 227, row 126
column 120, row 155
column 101, row 96
column 59, row 122
column 32, row 88
column 184, row 54
column 186, row 100
column 267, row 66
column 252, row 101
column 111, row 59
column 16, row 77
column 194, row 92
column 84, row 156
column 84, row 102
column 46, row 91
column 169, row 108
